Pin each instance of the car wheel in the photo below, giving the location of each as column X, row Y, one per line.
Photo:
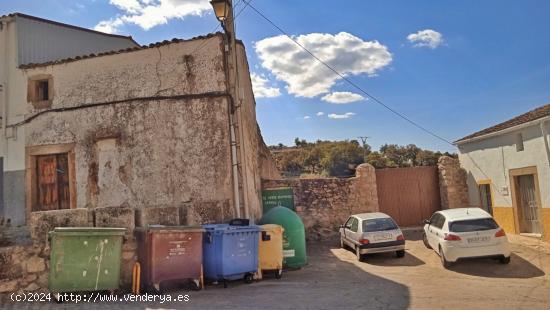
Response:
column 400, row 253
column 446, row 264
column 358, row 254
column 425, row 240
column 504, row 260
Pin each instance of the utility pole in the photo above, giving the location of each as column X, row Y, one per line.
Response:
column 363, row 140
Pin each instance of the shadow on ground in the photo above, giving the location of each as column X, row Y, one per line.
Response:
column 389, row 259
column 518, row 268
column 327, row 282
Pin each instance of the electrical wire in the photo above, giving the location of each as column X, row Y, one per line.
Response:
column 342, row 76
column 240, row 2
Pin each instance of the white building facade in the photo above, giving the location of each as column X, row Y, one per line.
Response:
column 508, row 172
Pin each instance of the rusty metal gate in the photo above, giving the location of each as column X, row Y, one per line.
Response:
column 409, row 195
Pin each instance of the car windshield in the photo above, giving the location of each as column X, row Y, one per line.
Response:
column 378, row 225
column 473, row 225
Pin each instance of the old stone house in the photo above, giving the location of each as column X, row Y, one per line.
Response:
column 145, row 127
column 27, row 39
column 508, row 171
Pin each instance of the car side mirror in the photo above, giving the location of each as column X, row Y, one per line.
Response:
column 427, row 222
column 342, row 226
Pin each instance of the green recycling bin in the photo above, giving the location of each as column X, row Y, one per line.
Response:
column 85, row 259
column 294, row 237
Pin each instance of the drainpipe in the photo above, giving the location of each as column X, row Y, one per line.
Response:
column 545, row 138
column 4, row 86
column 235, row 165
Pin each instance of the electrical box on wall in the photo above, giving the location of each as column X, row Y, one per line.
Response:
column 504, row 190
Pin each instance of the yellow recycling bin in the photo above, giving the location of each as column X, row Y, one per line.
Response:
column 270, row 250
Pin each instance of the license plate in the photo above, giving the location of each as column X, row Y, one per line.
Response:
column 380, row 237
column 478, row 239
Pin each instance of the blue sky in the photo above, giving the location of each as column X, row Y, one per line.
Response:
column 453, row 66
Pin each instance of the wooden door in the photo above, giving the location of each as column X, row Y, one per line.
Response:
column 529, row 210
column 52, row 178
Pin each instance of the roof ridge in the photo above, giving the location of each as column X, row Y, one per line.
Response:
column 532, row 115
column 53, row 22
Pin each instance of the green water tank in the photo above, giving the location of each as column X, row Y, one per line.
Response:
column 294, row 237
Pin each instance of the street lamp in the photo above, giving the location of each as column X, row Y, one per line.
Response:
column 221, row 9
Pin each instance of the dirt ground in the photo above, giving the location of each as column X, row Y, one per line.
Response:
column 334, row 279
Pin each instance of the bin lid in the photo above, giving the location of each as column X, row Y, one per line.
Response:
column 230, row 228
column 193, row 228
column 271, row 227
column 89, row 230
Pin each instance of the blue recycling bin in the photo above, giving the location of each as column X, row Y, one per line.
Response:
column 230, row 252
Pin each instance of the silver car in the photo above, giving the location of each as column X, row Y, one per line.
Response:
column 375, row 232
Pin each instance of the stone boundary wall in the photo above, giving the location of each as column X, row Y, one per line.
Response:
column 25, row 268
column 325, row 204
column 453, row 188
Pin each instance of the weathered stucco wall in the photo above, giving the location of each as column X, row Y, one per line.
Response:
column 325, row 204
column 170, row 152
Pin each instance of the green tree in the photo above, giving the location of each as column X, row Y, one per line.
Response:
column 378, row 161
column 342, row 158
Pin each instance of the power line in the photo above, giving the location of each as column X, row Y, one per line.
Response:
column 347, row 79
column 361, row 89
column 246, row 4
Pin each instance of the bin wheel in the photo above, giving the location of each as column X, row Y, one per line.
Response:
column 279, row 274
column 155, row 288
column 197, row 286
column 248, row 278
column 225, row 283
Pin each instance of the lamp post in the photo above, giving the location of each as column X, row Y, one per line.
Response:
column 223, row 9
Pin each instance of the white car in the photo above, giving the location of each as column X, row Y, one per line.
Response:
column 373, row 232
column 465, row 233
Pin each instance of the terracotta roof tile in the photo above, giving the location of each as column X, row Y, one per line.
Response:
column 532, row 115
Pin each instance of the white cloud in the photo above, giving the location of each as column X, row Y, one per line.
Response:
column 426, row 38
column 305, row 76
column 261, row 87
column 341, row 116
column 342, row 97
column 320, row 113
column 307, row 117
column 150, row 13
column 109, row 26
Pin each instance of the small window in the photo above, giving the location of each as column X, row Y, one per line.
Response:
column 519, row 142
column 39, row 91
column 42, row 90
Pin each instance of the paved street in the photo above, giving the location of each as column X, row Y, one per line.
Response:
column 334, row 279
